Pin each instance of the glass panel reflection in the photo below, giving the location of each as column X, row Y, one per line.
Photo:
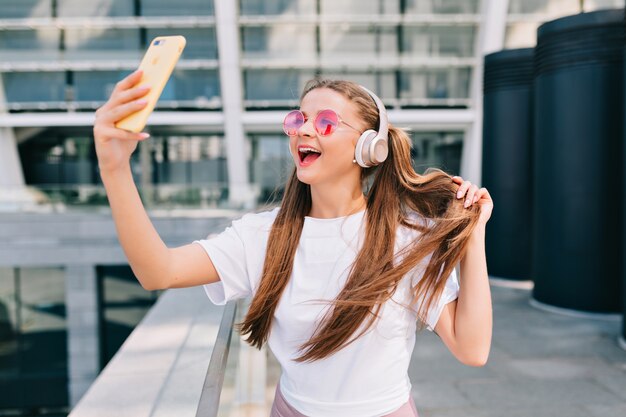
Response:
column 177, row 8
column 76, row 8
column 102, row 44
column 13, row 9
column 201, row 42
column 521, row 35
column 438, row 150
column 341, row 40
column 440, row 41
column 201, row 86
column 351, row 7
column 124, row 303
column 29, row 44
column 33, row 338
column 34, row 86
column 442, row 83
column 189, row 160
column 556, row 7
column 442, row 6
column 95, row 85
column 270, row 165
column 9, row 358
column 278, row 41
column 264, row 7
column 381, row 83
column 282, row 85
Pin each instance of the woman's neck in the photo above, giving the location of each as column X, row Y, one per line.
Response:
column 336, row 201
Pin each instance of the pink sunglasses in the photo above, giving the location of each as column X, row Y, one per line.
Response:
column 326, row 122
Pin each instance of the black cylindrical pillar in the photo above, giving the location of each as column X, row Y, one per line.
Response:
column 623, row 192
column 506, row 166
column 577, row 161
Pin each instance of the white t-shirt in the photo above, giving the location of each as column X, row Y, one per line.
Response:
column 367, row 378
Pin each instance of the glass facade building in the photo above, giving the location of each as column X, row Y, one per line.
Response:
column 60, row 60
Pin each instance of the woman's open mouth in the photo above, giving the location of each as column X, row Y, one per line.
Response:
column 307, row 155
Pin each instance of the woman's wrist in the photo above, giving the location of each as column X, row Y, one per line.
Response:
column 479, row 232
column 120, row 170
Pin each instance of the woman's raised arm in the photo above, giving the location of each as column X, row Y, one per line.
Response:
column 154, row 264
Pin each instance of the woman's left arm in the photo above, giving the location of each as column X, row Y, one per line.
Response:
column 465, row 325
column 473, row 318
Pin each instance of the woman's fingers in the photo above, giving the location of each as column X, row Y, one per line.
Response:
column 123, row 110
column 471, row 194
column 127, row 82
column 113, row 132
column 463, row 189
column 126, row 96
column 122, row 93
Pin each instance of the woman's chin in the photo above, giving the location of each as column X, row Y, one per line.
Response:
column 305, row 177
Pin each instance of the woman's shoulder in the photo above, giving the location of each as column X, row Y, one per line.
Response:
column 259, row 220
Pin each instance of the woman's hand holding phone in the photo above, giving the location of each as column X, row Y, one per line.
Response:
column 114, row 146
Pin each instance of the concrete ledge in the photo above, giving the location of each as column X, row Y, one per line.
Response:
column 90, row 238
column 160, row 368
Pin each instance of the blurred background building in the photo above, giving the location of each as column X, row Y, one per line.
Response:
column 216, row 138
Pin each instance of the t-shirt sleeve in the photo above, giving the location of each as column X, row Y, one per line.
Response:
column 227, row 251
column 450, row 293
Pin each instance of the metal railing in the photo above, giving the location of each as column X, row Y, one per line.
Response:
column 209, row 403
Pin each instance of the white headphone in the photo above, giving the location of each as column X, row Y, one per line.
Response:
column 372, row 147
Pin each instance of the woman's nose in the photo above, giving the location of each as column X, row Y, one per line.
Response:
column 307, row 129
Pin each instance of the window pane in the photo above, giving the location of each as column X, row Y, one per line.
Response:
column 8, row 325
column 43, row 319
column 357, row 40
column 556, row 7
column 95, row 85
column 435, row 83
column 454, row 41
column 124, row 304
column 30, row 44
column 283, row 85
column 177, row 8
column 278, row 41
column 10, row 9
column 521, row 35
column 202, row 86
column 442, row 6
column 437, row 149
column 351, row 7
column 271, row 162
column 33, row 338
column 201, row 42
column 102, row 44
column 77, row 8
column 189, row 160
column 264, row 7
column 383, row 84
column 34, row 86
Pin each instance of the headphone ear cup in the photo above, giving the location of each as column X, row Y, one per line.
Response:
column 378, row 150
column 362, row 150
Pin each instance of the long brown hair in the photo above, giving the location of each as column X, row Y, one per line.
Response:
column 396, row 191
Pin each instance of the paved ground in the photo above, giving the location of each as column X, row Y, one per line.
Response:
column 541, row 364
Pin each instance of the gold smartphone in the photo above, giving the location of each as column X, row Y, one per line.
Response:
column 157, row 66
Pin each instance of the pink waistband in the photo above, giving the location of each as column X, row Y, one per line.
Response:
column 281, row 408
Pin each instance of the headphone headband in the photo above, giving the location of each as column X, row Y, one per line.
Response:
column 372, row 147
column 383, row 126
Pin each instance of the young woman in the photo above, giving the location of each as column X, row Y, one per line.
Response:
column 340, row 278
